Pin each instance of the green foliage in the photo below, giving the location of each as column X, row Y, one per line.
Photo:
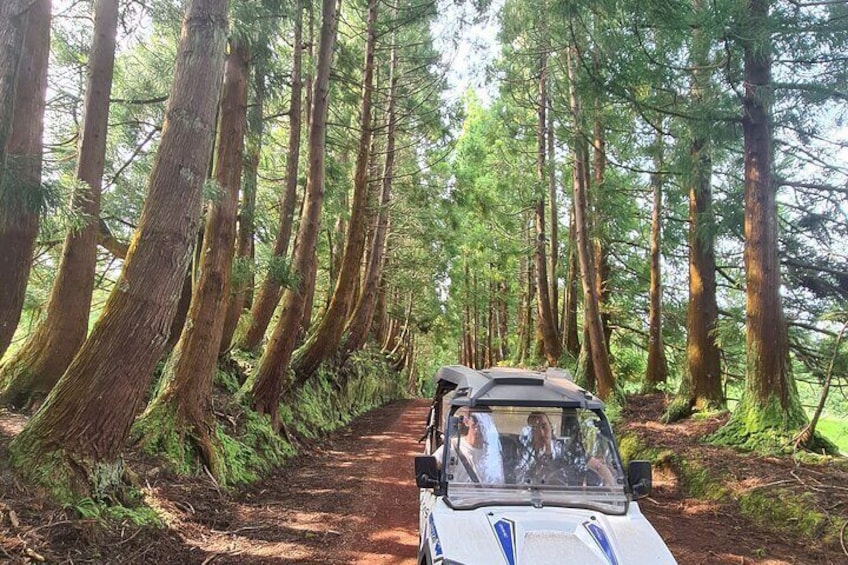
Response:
column 280, row 271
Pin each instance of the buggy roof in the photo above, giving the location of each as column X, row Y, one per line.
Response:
column 501, row 386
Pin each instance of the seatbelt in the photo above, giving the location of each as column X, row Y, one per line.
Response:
column 469, row 468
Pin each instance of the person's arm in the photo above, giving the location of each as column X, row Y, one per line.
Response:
column 438, row 454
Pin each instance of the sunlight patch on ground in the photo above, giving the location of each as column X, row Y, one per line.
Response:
column 11, row 424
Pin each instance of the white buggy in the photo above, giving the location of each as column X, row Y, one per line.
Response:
column 521, row 468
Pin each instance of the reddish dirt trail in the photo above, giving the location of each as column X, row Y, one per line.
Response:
column 353, row 501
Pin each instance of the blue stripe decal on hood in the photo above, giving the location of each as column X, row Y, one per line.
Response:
column 437, row 544
column 505, row 532
column 600, row 537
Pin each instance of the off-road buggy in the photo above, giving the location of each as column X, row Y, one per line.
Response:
column 521, row 467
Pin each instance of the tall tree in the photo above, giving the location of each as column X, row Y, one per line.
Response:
column 29, row 375
column 326, row 338
column 547, row 318
column 270, row 290
column 769, row 406
column 21, row 195
column 700, row 387
column 657, row 370
column 183, row 404
column 88, row 414
column 13, row 255
column 597, row 345
column 243, row 264
column 266, row 385
column 359, row 323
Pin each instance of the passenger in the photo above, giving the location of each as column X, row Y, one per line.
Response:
column 550, row 460
column 475, row 455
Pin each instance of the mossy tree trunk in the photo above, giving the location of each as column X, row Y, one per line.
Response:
column 21, row 128
column 87, row 416
column 40, row 362
column 265, row 387
column 183, row 404
column 769, row 412
column 270, row 290
column 657, row 369
column 326, row 338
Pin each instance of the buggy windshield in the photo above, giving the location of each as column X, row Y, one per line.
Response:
column 538, row 456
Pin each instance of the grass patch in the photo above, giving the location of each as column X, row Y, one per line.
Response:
column 836, row 430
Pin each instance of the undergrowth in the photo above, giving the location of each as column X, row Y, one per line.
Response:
column 782, row 511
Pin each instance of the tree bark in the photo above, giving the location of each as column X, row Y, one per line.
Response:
column 185, row 393
column 36, row 367
column 269, row 292
column 769, row 372
column 572, row 285
column 246, row 228
column 326, row 338
column 115, row 364
column 21, row 128
column 657, row 370
column 597, row 341
column 554, row 223
column 546, row 321
column 266, row 386
column 363, row 315
column 700, row 387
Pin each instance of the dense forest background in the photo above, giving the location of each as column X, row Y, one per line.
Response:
column 273, row 208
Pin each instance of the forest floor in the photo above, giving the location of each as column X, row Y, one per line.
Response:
column 351, row 499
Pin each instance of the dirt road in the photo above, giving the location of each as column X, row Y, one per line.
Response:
column 352, row 500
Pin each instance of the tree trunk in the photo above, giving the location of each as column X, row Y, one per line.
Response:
column 21, row 128
column 554, row 224
column 326, row 338
column 769, row 406
column 546, row 320
column 572, row 285
column 363, row 315
column 265, row 387
column 597, row 341
column 700, row 387
column 89, row 412
column 269, row 292
column 38, row 365
column 244, row 251
column 657, row 370
column 183, row 405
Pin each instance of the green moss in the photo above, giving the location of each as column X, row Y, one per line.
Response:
column 765, row 428
column 50, row 470
column 142, row 516
column 699, row 482
column 679, row 409
column 162, row 436
column 786, row 512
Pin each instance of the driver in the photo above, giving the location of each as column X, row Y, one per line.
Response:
column 549, row 460
column 475, row 455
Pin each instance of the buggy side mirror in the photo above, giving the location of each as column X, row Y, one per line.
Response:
column 426, row 471
column 640, row 478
